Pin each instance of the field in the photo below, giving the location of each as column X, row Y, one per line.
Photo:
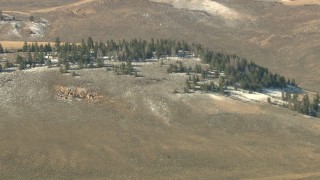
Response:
column 18, row 44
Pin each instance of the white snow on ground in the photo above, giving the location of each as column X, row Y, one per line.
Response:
column 14, row 30
column 39, row 69
column 208, row 6
column 246, row 96
column 217, row 97
column 276, row 93
column 159, row 108
column 249, row 97
column 17, row 28
column 243, row 95
column 38, row 29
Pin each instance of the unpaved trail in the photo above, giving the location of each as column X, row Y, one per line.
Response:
column 291, row 176
column 51, row 9
column 17, row 12
column 300, row 2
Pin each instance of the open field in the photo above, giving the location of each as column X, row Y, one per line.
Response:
column 19, row 44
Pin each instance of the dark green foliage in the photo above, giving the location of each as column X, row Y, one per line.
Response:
column 239, row 70
column 1, row 49
column 63, row 69
column 269, row 100
column 1, row 16
column 315, row 103
column 21, row 62
column 31, row 18
column 100, row 63
column 178, row 67
column 49, row 63
column 304, row 106
column 124, row 69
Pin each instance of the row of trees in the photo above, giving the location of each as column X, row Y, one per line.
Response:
column 238, row 70
column 304, row 106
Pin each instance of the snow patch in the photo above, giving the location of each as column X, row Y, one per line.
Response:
column 159, row 108
column 37, row 29
column 211, row 7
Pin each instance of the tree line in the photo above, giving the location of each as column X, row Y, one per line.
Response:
column 239, row 71
column 304, row 105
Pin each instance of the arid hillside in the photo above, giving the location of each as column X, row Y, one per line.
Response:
column 99, row 125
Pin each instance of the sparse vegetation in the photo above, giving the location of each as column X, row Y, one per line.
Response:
column 31, row 18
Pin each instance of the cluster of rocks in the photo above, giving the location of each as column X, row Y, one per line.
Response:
column 75, row 93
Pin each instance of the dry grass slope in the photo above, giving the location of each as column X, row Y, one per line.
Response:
column 141, row 130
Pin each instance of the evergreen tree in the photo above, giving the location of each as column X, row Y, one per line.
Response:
column 306, row 104
column 49, row 63
column 315, row 104
column 1, row 16
column 57, row 44
column 1, row 49
column 31, row 18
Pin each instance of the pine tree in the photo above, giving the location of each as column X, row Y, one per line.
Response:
column 1, row 49
column 57, row 44
column 1, row 16
column 31, row 18
column 306, row 104
column 315, row 104
column 49, row 63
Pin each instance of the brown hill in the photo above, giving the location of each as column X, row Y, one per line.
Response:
column 280, row 37
column 137, row 128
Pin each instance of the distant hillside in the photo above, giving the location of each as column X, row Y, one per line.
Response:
column 270, row 33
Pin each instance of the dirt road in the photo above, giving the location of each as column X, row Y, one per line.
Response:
column 51, row 9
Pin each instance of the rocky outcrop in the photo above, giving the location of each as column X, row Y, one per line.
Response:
column 76, row 93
